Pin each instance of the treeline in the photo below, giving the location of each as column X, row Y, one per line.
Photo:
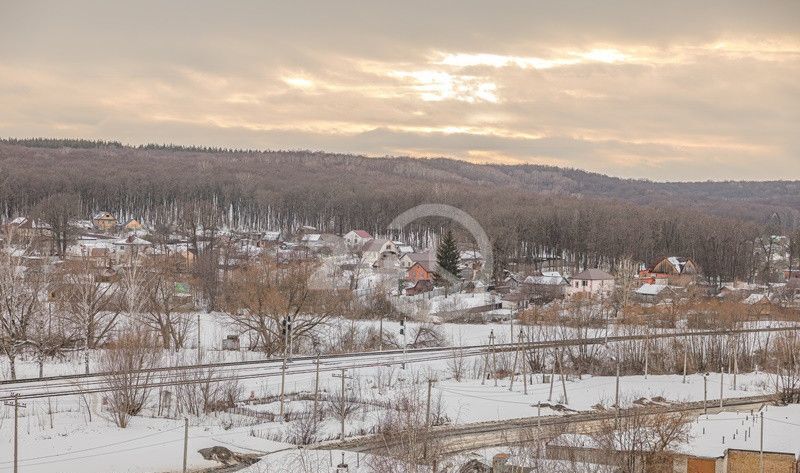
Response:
column 529, row 211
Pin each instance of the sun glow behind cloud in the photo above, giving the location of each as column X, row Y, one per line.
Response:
column 612, row 92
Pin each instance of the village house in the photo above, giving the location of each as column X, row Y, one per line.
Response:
column 269, row 239
column 408, row 259
column 545, row 286
column 104, row 221
column 374, row 249
column 131, row 225
column 674, row 270
column 421, row 271
column 24, row 228
column 593, row 282
column 356, row 238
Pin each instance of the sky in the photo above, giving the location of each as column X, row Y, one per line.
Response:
column 678, row 90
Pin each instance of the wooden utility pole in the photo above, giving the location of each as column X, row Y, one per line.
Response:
column 342, row 403
column 616, row 396
column 721, row 386
column 705, row 393
column 185, row 442
column 646, row 357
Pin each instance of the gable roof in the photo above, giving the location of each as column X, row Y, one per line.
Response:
column 362, row 233
column 375, row 245
column 593, row 274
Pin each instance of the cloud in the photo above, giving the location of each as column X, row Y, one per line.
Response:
column 708, row 91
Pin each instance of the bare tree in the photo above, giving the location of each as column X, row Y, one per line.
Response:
column 19, row 304
column 91, row 305
column 128, row 385
column 58, row 211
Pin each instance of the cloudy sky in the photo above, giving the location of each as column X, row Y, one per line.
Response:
column 663, row 90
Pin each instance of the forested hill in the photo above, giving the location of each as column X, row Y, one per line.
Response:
column 80, row 159
column 525, row 208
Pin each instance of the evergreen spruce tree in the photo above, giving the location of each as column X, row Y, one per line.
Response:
column 447, row 255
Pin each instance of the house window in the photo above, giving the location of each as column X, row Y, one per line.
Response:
column 576, row 284
column 583, row 283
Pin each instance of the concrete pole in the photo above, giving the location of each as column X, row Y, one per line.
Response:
column 342, row 404
column 316, row 391
column 721, row 387
column 185, row 442
column 16, row 433
column 685, row 350
column 761, row 444
column 705, row 393
column 427, row 421
column 283, row 385
column 524, row 364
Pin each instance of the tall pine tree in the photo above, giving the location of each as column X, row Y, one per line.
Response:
column 447, row 255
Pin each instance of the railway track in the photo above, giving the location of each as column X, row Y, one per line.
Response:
column 453, row 439
column 78, row 384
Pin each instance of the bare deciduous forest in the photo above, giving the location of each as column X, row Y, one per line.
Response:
column 528, row 210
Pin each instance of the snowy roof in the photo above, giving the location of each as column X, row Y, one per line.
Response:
column 593, row 274
column 552, row 278
column 470, row 254
column 375, row 245
column 650, row 289
column 271, row 236
column 132, row 240
column 311, row 237
column 362, row 233
column 755, row 298
column 404, row 249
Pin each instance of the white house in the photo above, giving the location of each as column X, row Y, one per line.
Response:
column 374, row 250
column 593, row 282
column 356, row 238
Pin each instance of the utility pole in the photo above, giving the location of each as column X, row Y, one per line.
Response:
column 524, row 363
column 761, row 444
column 16, row 405
column 705, row 393
column 185, row 442
column 342, row 402
column 316, row 390
column 685, row 351
column 427, row 421
column 514, row 366
column 199, row 355
column 283, row 383
column 405, row 344
column 494, row 356
column 735, row 362
column 563, row 382
column 646, row 357
column 552, row 375
column 380, row 334
column 721, row 386
column 616, row 395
